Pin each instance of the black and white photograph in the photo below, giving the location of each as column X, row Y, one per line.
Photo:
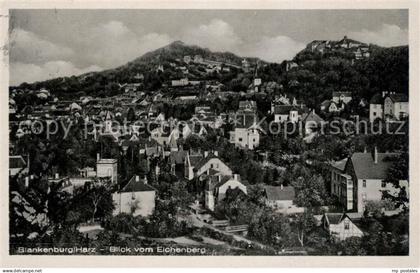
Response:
column 209, row 132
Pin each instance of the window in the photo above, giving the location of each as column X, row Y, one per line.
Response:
column 383, row 184
column 374, row 114
column 211, row 166
column 364, row 183
column 346, row 225
column 240, row 139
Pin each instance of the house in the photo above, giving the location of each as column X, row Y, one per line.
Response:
column 187, row 59
column 180, row 82
column 17, row 164
column 340, row 226
column 107, row 167
column 312, row 122
column 331, row 106
column 279, row 197
column 376, row 108
column 159, row 68
column 342, row 184
column 218, row 186
column 136, row 198
column 290, row 65
column 198, row 59
column 197, row 164
column 248, row 105
column 245, row 65
column 177, row 160
column 139, row 77
column 348, row 43
column 149, row 147
column 396, row 106
column 389, row 106
column 362, row 179
column 344, row 97
column 161, row 135
column 291, row 113
column 246, row 132
column 132, row 87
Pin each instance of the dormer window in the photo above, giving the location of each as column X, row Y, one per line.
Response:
column 346, row 225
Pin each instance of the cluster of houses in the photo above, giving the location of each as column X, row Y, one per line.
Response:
column 337, row 103
column 354, row 181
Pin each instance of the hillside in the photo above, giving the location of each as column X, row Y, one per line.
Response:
column 178, row 49
column 317, row 72
column 106, row 83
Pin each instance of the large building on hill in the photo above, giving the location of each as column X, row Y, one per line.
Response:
column 358, row 49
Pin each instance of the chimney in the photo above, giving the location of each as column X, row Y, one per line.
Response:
column 206, row 153
column 57, row 176
column 375, row 155
column 26, row 182
column 150, row 138
column 97, row 157
column 137, row 178
column 281, row 186
column 219, row 177
column 208, row 171
column 236, row 177
column 365, row 151
column 145, row 179
column 216, row 153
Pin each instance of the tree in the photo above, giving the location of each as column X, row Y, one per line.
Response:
column 99, row 195
column 352, row 246
column 270, row 228
column 303, row 225
column 397, row 172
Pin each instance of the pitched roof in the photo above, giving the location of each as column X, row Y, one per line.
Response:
column 399, row 97
column 204, row 160
column 217, row 180
column 278, row 193
column 366, row 168
column 177, row 157
column 340, row 165
column 282, row 109
column 334, row 218
column 326, row 103
column 247, row 104
column 16, row 162
column 137, row 186
column 339, row 93
column 245, row 120
column 107, row 161
column 376, row 99
column 312, row 117
column 195, row 158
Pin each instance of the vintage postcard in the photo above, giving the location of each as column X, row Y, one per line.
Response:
column 239, row 133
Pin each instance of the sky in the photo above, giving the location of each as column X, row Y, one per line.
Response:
column 47, row 44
